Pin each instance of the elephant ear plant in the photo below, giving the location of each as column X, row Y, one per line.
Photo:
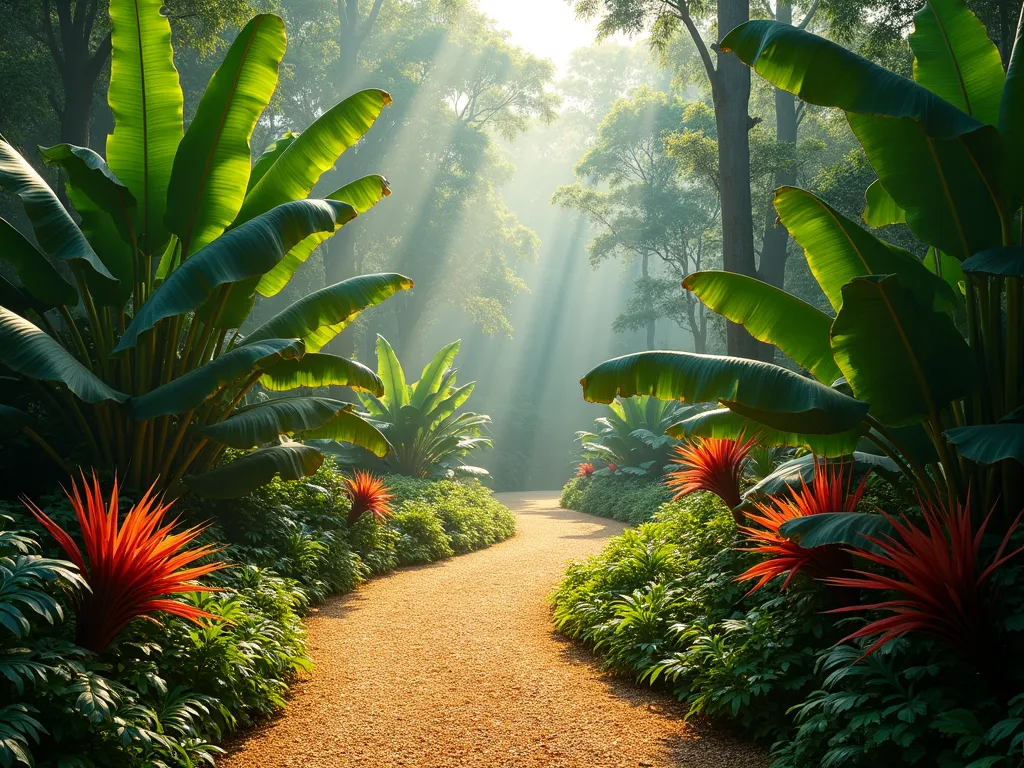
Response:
column 889, row 367
column 127, row 323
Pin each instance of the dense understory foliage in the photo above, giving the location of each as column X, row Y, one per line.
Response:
column 619, row 496
column 163, row 695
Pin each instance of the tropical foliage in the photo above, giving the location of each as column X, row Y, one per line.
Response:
column 177, row 233
column 367, row 495
column 711, row 464
column 425, row 432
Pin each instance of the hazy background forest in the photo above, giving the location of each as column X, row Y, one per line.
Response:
column 532, row 199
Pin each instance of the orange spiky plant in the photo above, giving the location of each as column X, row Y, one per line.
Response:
column 131, row 565
column 938, row 579
column 829, row 492
column 368, row 494
column 584, row 469
column 711, row 464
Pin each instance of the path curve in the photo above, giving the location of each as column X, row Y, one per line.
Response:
column 455, row 664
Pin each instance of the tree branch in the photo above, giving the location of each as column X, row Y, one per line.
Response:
column 810, row 15
column 702, row 49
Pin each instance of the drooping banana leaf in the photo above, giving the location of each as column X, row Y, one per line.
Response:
column 264, row 422
column 247, row 252
column 192, row 389
column 1005, row 261
column 907, row 361
column 212, row 164
column 146, row 102
column 793, row 474
column 29, row 351
column 292, row 461
column 38, row 276
column 320, row 370
column 349, row 427
column 1011, row 123
column 880, row 209
column 852, row 529
column 766, row 393
column 800, row 331
column 989, row 443
column 320, row 316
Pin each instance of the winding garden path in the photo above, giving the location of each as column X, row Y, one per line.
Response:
column 455, row 664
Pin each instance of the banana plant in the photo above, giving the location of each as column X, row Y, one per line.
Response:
column 127, row 320
column 888, row 366
column 425, row 432
column 632, row 435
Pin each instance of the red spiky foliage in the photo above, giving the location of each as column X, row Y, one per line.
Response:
column 711, row 464
column 368, row 494
column 131, row 565
column 584, row 469
column 612, row 468
column 939, row 580
column 829, row 491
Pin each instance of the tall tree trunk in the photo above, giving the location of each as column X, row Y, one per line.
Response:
column 651, row 321
column 731, row 93
column 775, row 242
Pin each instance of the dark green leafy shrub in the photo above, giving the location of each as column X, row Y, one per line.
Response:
column 421, row 537
column 619, row 496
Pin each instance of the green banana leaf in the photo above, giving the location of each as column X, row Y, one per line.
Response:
column 723, row 423
column 247, row 252
column 361, row 194
column 955, row 60
column 17, row 301
column 12, row 419
column 292, row 175
column 851, row 529
column 292, row 461
column 793, row 474
column 212, row 164
column 1005, row 261
column 433, row 374
column 800, row 331
column 348, row 427
column 56, row 232
column 192, row 389
column 989, row 443
column 320, row 370
column 269, row 157
column 146, row 102
column 449, row 405
column 946, row 267
column 27, row 350
column 264, row 422
column 838, row 250
column 38, row 276
column 1011, row 123
column 904, row 359
column 107, row 211
column 320, row 316
column 766, row 393
column 880, row 209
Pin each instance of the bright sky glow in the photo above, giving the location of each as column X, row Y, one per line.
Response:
column 547, row 28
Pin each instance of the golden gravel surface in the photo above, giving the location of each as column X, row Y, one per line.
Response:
column 456, row 664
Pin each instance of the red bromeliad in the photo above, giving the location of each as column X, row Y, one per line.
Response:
column 585, row 469
column 368, row 494
column 829, row 492
column 612, row 468
column 939, row 578
column 131, row 566
column 711, row 464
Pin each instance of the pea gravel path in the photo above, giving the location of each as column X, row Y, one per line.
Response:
column 455, row 664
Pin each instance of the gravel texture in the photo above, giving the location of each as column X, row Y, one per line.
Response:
column 456, row 664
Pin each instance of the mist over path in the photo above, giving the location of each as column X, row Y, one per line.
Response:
column 456, row 664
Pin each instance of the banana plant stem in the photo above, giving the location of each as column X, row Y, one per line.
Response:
column 47, row 448
column 83, row 350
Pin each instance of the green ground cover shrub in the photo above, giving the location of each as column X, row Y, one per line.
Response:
column 619, row 496
column 165, row 694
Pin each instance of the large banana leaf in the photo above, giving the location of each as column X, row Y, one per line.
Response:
column 724, row 423
column 769, row 314
column 247, row 252
column 396, row 391
column 880, row 209
column 269, row 156
column 449, row 405
column 348, row 427
column 146, row 101
column 1011, row 123
column 897, row 354
column 361, row 194
column 37, row 275
column 292, row 175
column 839, row 250
column 989, row 443
column 292, row 461
column 18, row 301
column 852, row 529
column 27, row 350
column 320, row 370
column 319, row 317
column 766, row 393
column 939, row 164
column 1006, row 261
column 192, row 389
column 793, row 474
column 955, row 60
column 107, row 210
column 433, row 374
column 264, row 422
column 56, row 232
column 211, row 168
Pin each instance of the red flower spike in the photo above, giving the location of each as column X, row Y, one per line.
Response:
column 585, row 469
column 711, row 464
column 829, row 492
column 612, row 468
column 368, row 494
column 130, row 567
column 939, row 578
